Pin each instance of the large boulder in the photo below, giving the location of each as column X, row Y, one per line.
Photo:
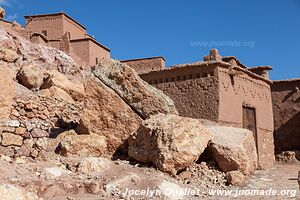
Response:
column 31, row 76
column 233, row 149
column 170, row 142
column 7, row 92
column 8, row 55
column 142, row 97
column 82, row 145
column 106, row 114
column 74, row 89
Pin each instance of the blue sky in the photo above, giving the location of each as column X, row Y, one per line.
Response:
column 256, row 32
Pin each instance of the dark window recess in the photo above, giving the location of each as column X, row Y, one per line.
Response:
column 97, row 60
column 69, row 35
column 231, row 79
column 45, row 32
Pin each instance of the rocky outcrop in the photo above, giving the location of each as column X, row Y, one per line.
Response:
column 8, row 55
column 11, row 192
column 170, row 142
column 141, row 97
column 57, row 79
column 7, row 92
column 55, row 92
column 83, row 145
column 233, row 149
column 236, row 178
column 106, row 114
column 2, row 13
column 31, row 76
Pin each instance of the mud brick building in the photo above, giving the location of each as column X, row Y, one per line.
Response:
column 64, row 33
column 286, row 107
column 225, row 91
column 145, row 65
column 59, row 30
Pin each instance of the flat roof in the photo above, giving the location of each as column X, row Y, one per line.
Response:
column 260, row 68
column 147, row 58
column 91, row 39
column 222, row 64
column 287, row 80
column 55, row 14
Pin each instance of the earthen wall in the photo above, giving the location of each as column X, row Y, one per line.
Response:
column 73, row 28
column 286, row 108
column 238, row 91
column 143, row 66
column 193, row 89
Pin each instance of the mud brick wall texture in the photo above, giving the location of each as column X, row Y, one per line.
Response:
column 194, row 90
column 286, row 107
column 146, row 65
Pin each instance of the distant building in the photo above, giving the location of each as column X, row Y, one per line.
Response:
column 59, row 30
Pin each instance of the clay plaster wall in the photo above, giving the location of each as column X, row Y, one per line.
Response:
column 81, row 49
column 286, row 108
column 194, row 90
column 142, row 66
column 243, row 90
column 74, row 29
column 98, row 52
column 53, row 25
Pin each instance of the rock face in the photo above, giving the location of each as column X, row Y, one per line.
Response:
column 31, row 76
column 106, row 114
column 2, row 13
column 8, row 55
column 56, row 92
column 55, row 78
column 10, row 192
column 236, row 178
column 92, row 165
column 170, row 142
column 83, row 145
column 143, row 98
column 233, row 149
column 11, row 139
column 7, row 92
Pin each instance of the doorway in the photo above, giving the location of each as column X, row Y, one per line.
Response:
column 249, row 122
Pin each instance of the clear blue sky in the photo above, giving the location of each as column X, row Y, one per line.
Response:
column 257, row 32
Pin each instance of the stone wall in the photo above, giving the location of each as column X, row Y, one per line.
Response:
column 146, row 65
column 286, row 108
column 238, row 90
column 194, row 89
column 33, row 120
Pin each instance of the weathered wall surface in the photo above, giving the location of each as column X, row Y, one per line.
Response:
column 53, row 25
column 81, row 49
column 245, row 91
column 286, row 108
column 142, row 66
column 98, row 52
column 74, row 29
column 194, row 89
